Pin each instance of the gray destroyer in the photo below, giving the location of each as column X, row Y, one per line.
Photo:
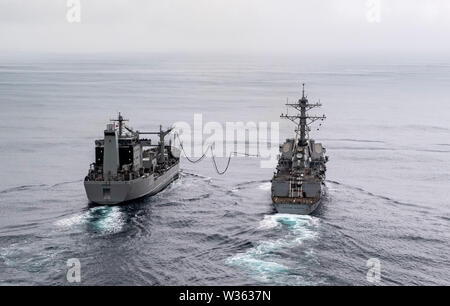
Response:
column 128, row 167
column 300, row 174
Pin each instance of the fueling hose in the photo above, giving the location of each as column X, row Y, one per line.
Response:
column 210, row 148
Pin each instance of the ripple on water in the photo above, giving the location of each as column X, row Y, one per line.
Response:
column 262, row 262
column 22, row 256
column 104, row 219
column 265, row 186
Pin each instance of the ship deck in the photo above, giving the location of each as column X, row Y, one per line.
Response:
column 288, row 177
column 295, row 200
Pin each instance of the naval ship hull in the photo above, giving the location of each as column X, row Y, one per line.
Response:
column 116, row 192
column 300, row 173
column 295, row 206
column 289, row 198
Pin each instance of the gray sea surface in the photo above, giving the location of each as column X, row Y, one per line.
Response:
column 388, row 180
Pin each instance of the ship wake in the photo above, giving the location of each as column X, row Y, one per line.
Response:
column 102, row 220
column 269, row 260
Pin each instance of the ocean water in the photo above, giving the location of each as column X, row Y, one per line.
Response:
column 388, row 180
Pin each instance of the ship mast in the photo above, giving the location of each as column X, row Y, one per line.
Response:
column 120, row 120
column 302, row 119
column 162, row 134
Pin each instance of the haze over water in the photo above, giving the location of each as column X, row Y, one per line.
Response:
column 387, row 136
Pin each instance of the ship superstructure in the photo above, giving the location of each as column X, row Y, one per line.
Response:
column 300, row 173
column 128, row 167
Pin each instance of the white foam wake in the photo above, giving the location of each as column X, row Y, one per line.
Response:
column 104, row 219
column 265, row 186
column 262, row 261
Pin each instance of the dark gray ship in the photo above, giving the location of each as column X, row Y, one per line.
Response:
column 300, row 174
column 128, row 167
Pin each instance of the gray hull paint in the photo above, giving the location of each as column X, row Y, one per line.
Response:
column 296, row 209
column 123, row 191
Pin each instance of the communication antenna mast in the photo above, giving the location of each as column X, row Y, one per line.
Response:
column 302, row 119
column 120, row 120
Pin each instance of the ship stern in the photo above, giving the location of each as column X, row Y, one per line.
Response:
column 106, row 193
column 289, row 207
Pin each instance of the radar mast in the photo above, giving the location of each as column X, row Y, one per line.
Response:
column 120, row 120
column 302, row 119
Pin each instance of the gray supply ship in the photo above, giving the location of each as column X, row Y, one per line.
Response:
column 128, row 167
column 300, row 174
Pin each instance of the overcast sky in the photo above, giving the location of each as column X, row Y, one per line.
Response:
column 263, row 26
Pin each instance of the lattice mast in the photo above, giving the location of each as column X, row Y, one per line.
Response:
column 120, row 121
column 302, row 119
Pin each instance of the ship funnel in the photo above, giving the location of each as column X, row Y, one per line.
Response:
column 110, row 153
